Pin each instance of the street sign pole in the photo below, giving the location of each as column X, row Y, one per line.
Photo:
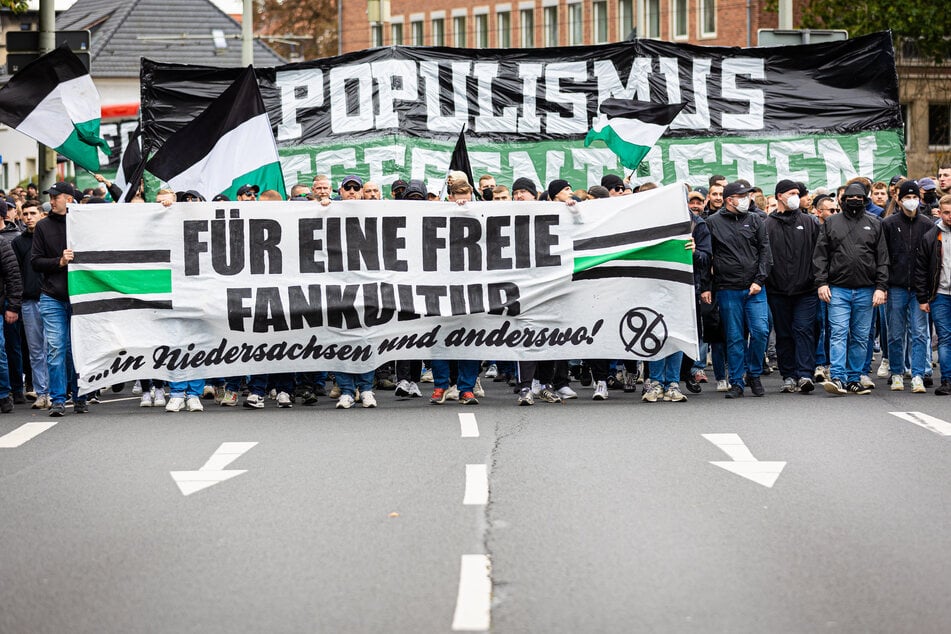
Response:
column 46, row 167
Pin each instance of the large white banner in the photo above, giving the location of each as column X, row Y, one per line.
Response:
column 223, row 289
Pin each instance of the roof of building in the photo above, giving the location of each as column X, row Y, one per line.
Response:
column 124, row 31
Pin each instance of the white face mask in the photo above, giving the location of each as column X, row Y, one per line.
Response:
column 911, row 204
column 792, row 202
column 743, row 204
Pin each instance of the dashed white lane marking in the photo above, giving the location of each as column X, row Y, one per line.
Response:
column 468, row 425
column 932, row 424
column 22, row 434
column 477, row 484
column 474, row 601
column 742, row 461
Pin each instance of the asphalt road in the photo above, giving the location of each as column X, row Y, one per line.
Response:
column 600, row 517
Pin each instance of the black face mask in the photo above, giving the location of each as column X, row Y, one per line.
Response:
column 853, row 207
column 930, row 197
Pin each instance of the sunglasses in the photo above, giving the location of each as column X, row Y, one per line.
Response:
column 352, row 187
column 618, row 188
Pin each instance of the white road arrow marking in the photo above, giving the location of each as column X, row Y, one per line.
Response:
column 936, row 425
column 742, row 461
column 213, row 471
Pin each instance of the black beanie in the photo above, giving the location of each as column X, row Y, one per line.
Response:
column 525, row 183
column 908, row 187
column 556, row 186
column 785, row 185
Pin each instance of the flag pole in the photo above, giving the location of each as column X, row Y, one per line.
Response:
column 45, row 156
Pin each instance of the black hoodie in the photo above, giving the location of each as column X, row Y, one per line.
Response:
column 49, row 241
column 792, row 239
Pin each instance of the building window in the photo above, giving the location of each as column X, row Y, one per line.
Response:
column 396, row 33
column 575, row 24
column 708, row 18
column 939, row 124
column 482, row 31
column 503, row 25
column 551, row 26
column 459, row 31
column 376, row 35
column 439, row 32
column 417, row 33
column 625, row 17
column 526, row 19
column 600, row 24
column 678, row 10
column 652, row 18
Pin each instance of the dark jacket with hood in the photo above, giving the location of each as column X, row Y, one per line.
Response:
column 851, row 250
column 741, row 252
column 792, row 240
column 12, row 286
column 49, row 241
column 905, row 239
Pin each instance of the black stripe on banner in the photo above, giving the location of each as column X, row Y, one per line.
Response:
column 604, row 272
column 641, row 235
column 240, row 102
column 35, row 81
column 120, row 303
column 122, row 257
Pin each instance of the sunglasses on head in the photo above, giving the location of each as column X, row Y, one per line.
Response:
column 352, row 187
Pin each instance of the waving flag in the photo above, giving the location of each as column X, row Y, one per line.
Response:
column 53, row 100
column 630, row 128
column 226, row 146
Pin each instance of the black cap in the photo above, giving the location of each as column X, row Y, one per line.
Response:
column 736, row 188
column 63, row 188
column 525, row 183
column 415, row 190
column 399, row 183
column 785, row 185
column 612, row 181
column 184, row 196
column 220, row 198
column 895, row 179
column 247, row 189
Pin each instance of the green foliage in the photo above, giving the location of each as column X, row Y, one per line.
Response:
column 922, row 27
column 17, row 6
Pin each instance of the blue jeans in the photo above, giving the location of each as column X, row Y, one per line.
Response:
column 14, row 355
column 906, row 318
column 257, row 384
column 742, row 313
column 468, row 373
column 349, row 382
column 4, row 372
column 850, row 319
column 941, row 313
column 59, row 357
column 822, row 346
column 36, row 342
column 184, row 389
column 667, row 370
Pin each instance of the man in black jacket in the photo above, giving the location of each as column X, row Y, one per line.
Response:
column 904, row 233
column 50, row 257
column 741, row 264
column 12, row 295
column 32, row 213
column 792, row 288
column 851, row 268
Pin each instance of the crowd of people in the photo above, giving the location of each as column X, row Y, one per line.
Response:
column 812, row 282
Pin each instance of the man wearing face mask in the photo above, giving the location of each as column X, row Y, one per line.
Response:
column 851, row 269
column 741, row 264
column 929, row 197
column 792, row 288
column 905, row 235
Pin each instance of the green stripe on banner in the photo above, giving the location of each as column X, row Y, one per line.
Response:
column 667, row 251
column 135, row 282
column 266, row 177
column 84, row 155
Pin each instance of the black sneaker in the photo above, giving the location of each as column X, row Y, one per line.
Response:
column 944, row 389
column 308, row 398
column 6, row 404
column 57, row 410
column 929, row 381
column 834, row 386
column 735, row 391
column 585, row 378
column 857, row 388
column 80, row 407
column 756, row 386
column 805, row 385
column 692, row 385
column 19, row 398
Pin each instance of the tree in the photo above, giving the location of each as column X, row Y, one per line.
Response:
column 17, row 6
column 316, row 19
column 921, row 27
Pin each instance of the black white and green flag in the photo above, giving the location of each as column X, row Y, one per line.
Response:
column 228, row 145
column 53, row 100
column 630, row 128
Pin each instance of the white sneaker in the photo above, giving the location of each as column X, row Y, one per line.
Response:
column 159, row 398
column 673, row 394
column 600, row 391
column 883, row 370
column 254, row 401
column 723, row 386
column 368, row 399
column 918, row 385
column 42, row 402
column 402, row 389
column 567, row 393
column 137, row 387
column 427, row 377
column 477, row 390
column 414, row 390
column 452, row 394
column 867, row 382
column 175, row 404
column 491, row 372
column 193, row 403
column 229, row 399
column 536, row 387
column 272, row 394
column 146, row 400
column 345, row 401
column 208, row 391
column 898, row 383
column 284, row 400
